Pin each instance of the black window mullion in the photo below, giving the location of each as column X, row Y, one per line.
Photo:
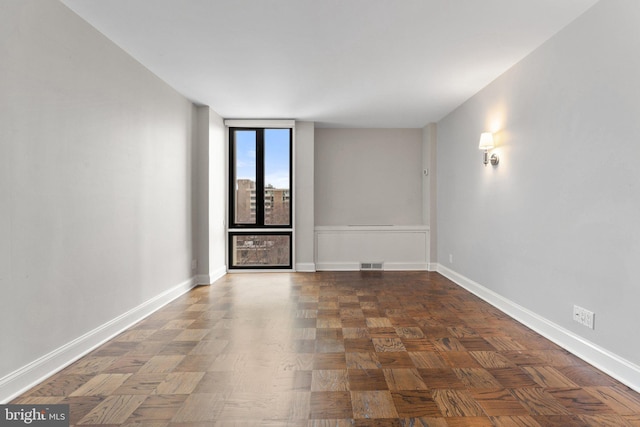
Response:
column 260, row 177
column 232, row 177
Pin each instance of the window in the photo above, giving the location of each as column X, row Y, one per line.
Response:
column 260, row 210
column 260, row 250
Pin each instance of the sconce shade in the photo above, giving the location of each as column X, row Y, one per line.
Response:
column 486, row 141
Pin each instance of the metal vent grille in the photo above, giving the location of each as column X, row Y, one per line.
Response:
column 371, row 266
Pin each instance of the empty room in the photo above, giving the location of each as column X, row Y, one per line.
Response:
column 314, row 213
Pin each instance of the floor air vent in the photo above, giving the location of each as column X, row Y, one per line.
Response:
column 368, row 266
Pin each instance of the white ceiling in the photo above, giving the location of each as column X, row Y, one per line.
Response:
column 340, row 63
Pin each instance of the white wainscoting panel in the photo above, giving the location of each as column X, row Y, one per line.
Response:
column 398, row 247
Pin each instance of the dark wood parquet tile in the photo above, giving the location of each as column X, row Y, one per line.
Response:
column 362, row 361
column 499, row 403
column 469, row 421
column 427, row 359
column 491, row 359
column 441, row 378
column 457, row 403
column 477, row 378
column 395, row 359
column 514, row 421
column 476, row 344
column 81, row 405
column 415, row 404
column 359, row 345
column 417, row 344
column 580, row 402
column 539, row 402
column 367, row 379
column 157, row 408
column 512, row 377
column 329, row 361
column 331, row 405
column 460, row 359
column 334, row 350
column 547, row 376
column 620, row 398
column 586, row 376
column 60, row 384
column 373, row 404
column 91, row 365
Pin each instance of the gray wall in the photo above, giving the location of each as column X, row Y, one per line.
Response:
column 217, row 213
column 200, row 179
column 430, row 187
column 304, row 196
column 368, row 176
column 556, row 223
column 96, row 211
column 209, row 181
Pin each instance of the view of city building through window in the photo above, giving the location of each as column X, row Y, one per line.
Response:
column 277, row 206
column 261, row 250
column 260, row 197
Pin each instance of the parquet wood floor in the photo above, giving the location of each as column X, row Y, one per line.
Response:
column 334, row 349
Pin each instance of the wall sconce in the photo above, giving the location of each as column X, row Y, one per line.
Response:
column 486, row 144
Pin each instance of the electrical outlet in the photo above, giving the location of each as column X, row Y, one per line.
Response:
column 577, row 314
column 450, row 258
column 584, row 317
column 589, row 317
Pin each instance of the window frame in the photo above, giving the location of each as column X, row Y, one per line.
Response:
column 259, row 227
column 260, row 184
column 287, row 233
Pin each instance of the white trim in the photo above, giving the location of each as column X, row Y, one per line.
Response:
column 24, row 378
column 217, row 274
column 608, row 362
column 383, row 227
column 306, row 267
column 202, row 279
column 260, row 123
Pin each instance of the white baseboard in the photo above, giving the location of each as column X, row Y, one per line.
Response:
column 217, row 273
column 306, row 267
column 35, row 372
column 608, row 362
column 202, row 279
column 207, row 279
